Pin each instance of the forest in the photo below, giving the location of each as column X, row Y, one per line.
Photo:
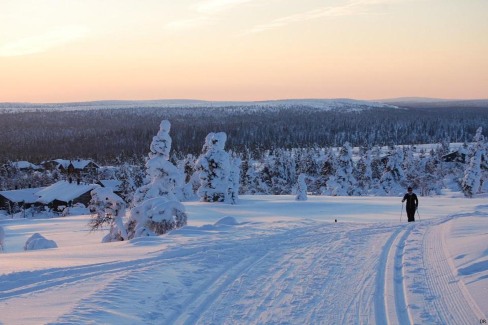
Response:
column 114, row 135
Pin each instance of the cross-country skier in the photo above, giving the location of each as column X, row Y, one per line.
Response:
column 412, row 204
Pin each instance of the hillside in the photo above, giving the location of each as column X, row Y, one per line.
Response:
column 283, row 261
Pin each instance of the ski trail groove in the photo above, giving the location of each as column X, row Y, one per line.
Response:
column 197, row 304
column 401, row 306
column 382, row 300
column 450, row 299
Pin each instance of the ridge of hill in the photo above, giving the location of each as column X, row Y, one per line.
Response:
column 342, row 104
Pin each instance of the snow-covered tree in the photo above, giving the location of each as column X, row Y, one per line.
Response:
column 301, row 188
column 472, row 175
column 130, row 176
column 364, row 171
column 156, row 216
column 162, row 176
column 344, row 172
column 234, row 179
column 108, row 209
column 392, row 177
column 327, row 171
column 156, row 207
column 2, row 239
column 214, row 167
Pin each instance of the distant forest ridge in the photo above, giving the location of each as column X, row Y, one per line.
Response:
column 325, row 104
column 114, row 131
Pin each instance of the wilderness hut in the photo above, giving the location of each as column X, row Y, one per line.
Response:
column 65, row 194
column 12, row 201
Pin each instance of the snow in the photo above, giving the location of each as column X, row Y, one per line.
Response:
column 27, row 195
column 114, row 184
column 265, row 260
column 38, row 241
column 63, row 191
column 25, row 165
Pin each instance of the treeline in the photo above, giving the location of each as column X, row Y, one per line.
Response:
column 116, row 135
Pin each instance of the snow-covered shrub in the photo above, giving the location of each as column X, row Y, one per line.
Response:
column 156, row 216
column 301, row 188
column 108, row 208
column 2, row 239
column 37, row 241
column 156, row 208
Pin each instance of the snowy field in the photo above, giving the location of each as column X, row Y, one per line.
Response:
column 283, row 262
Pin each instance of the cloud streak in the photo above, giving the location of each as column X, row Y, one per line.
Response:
column 356, row 7
column 43, row 42
column 216, row 6
column 206, row 11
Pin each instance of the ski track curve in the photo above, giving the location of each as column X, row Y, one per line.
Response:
column 316, row 273
column 451, row 300
column 313, row 274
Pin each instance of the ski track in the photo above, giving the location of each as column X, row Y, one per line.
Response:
column 450, row 298
column 317, row 273
column 304, row 275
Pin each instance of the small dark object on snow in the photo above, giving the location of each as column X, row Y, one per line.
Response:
column 335, row 220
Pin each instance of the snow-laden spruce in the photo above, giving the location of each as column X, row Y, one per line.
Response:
column 2, row 239
column 472, row 175
column 156, row 208
column 108, row 209
column 219, row 174
column 301, row 188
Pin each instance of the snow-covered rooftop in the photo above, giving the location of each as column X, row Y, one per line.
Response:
column 24, row 165
column 77, row 163
column 63, row 191
column 27, row 195
column 111, row 183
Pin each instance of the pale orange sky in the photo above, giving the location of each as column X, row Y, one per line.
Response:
column 73, row 50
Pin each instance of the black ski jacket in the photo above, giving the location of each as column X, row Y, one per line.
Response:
column 412, row 201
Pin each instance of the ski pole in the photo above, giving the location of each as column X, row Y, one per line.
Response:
column 401, row 213
column 418, row 213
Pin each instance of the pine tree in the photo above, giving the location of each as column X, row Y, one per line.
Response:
column 301, row 188
column 214, row 169
column 472, row 175
column 393, row 175
column 156, row 208
column 344, row 172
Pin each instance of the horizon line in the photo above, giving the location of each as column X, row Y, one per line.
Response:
column 398, row 99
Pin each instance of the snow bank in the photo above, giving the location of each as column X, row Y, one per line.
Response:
column 226, row 221
column 37, row 241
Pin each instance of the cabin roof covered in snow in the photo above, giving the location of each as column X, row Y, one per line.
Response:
column 63, row 191
column 111, row 183
column 77, row 163
column 27, row 195
column 24, row 165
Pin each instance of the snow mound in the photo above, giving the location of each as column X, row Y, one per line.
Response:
column 37, row 241
column 226, row 221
